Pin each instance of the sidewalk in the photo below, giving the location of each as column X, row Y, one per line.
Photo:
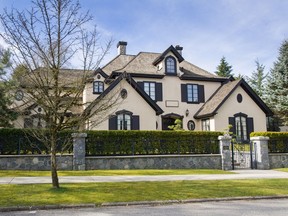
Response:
column 238, row 174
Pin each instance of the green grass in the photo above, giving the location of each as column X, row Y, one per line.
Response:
column 20, row 173
column 282, row 169
column 97, row 193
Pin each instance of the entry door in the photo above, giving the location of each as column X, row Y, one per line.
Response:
column 167, row 122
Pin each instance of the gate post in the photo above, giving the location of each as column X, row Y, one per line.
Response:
column 79, row 151
column 261, row 152
column 225, row 142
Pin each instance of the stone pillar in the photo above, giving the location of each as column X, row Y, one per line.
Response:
column 225, row 142
column 79, row 151
column 261, row 152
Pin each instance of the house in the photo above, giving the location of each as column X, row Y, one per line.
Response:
column 158, row 88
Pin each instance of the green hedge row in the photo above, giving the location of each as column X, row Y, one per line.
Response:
column 278, row 141
column 21, row 141
column 100, row 143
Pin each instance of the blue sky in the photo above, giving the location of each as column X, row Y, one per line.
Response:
column 240, row 30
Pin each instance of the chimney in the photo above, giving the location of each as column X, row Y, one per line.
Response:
column 121, row 46
column 179, row 49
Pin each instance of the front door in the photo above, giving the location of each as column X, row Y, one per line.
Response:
column 169, row 119
column 167, row 122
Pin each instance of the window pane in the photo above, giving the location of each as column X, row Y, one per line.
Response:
column 192, row 93
column 98, row 87
column 127, row 122
column 149, row 88
column 244, row 128
column 170, row 65
column 120, row 122
column 189, row 93
column 195, row 93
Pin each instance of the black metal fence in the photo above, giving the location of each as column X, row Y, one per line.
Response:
column 21, row 142
column 278, row 145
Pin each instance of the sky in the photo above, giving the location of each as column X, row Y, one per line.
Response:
column 242, row 31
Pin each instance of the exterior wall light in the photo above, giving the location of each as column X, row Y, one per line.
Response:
column 187, row 112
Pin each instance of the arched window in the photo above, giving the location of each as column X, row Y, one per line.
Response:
column 124, row 120
column 170, row 65
column 242, row 126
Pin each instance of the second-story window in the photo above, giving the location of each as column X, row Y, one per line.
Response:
column 149, row 88
column 192, row 93
column 98, row 87
column 170, row 65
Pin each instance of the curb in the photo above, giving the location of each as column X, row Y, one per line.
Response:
column 138, row 203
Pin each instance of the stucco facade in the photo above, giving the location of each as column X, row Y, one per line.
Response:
column 211, row 103
column 155, row 89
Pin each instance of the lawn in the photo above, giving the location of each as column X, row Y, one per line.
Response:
column 20, row 173
column 282, row 169
column 97, row 193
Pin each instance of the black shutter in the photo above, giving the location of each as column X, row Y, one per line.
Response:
column 135, row 122
column 201, row 94
column 232, row 122
column 159, row 92
column 113, row 123
column 141, row 85
column 250, row 126
column 183, row 93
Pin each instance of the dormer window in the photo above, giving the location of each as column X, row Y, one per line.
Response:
column 98, row 87
column 170, row 65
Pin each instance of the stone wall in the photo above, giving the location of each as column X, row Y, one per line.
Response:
column 278, row 160
column 155, row 162
column 34, row 162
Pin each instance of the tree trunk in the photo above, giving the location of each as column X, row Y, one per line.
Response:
column 54, row 175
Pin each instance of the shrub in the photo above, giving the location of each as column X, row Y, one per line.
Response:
column 20, row 141
column 151, row 142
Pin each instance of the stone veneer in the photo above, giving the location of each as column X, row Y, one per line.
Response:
column 278, row 160
column 34, row 162
column 155, row 162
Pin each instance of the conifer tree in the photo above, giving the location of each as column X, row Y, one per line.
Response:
column 224, row 69
column 6, row 113
column 258, row 79
column 277, row 86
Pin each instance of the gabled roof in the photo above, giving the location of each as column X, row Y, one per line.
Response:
column 117, row 63
column 163, row 55
column 213, row 104
column 139, row 90
column 201, row 75
column 145, row 65
column 101, row 72
column 141, row 63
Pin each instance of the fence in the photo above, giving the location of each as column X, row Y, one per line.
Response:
column 22, row 142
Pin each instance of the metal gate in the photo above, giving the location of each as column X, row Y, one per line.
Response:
column 243, row 155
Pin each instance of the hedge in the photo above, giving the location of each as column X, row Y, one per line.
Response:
column 105, row 143
column 278, row 141
column 21, row 141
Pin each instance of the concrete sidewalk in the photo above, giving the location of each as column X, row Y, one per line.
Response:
column 237, row 174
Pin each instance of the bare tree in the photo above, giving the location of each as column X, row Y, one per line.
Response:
column 47, row 39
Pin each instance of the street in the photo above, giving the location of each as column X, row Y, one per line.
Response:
column 232, row 208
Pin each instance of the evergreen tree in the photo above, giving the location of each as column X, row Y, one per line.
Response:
column 277, row 87
column 224, row 69
column 6, row 113
column 258, row 79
